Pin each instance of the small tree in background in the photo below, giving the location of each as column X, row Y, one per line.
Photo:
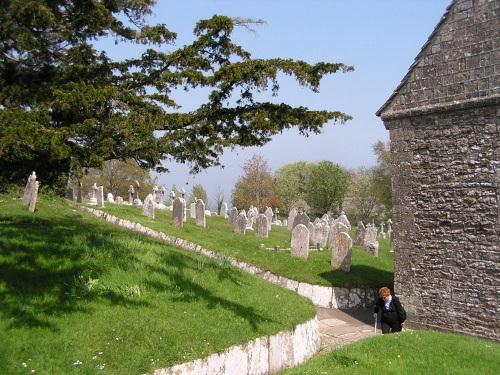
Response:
column 219, row 198
column 256, row 186
column 382, row 174
column 291, row 183
column 198, row 192
column 116, row 176
column 326, row 188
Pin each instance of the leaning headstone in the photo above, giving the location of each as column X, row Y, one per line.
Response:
column 262, row 226
column 200, row 213
column 233, row 214
column 110, row 198
column 100, row 196
column 341, row 252
column 301, row 218
column 269, row 213
column 29, row 188
column 119, row 200
column 291, row 218
column 192, row 210
column 79, row 193
column 178, row 213
column 240, row 225
column 300, row 241
column 148, row 208
column 223, row 210
column 359, row 238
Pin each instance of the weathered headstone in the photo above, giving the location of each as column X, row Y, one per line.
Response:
column 240, row 225
column 200, row 213
column 261, row 226
column 359, row 238
column 131, row 192
column 79, row 193
column 343, row 219
column 269, row 214
column 334, row 230
column 148, row 208
column 119, row 200
column 93, row 195
column 321, row 231
column 291, row 218
column 223, row 210
column 301, row 218
column 155, row 194
column 341, row 252
column 300, row 241
column 70, row 194
column 370, row 240
column 192, row 210
column 100, row 196
column 110, row 198
column 28, row 189
column 233, row 214
column 178, row 213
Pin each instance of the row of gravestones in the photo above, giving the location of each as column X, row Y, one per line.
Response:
column 334, row 236
column 367, row 236
column 243, row 220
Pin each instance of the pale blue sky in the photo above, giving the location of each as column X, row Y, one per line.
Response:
column 380, row 38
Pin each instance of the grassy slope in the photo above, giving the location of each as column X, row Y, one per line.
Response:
column 73, row 288
column 366, row 270
column 419, row 352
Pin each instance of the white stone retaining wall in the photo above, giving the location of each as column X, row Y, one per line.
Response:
column 264, row 355
column 324, row 296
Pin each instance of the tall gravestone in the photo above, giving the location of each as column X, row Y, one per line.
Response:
column 291, row 218
column 223, row 210
column 300, row 241
column 79, row 193
column 261, row 226
column 240, row 224
column 342, row 252
column 334, row 230
column 359, row 238
column 301, row 218
column 370, row 240
column 70, row 194
column 148, row 208
column 343, row 219
column 269, row 214
column 178, row 213
column 30, row 194
column 200, row 213
column 192, row 210
column 100, row 196
column 131, row 192
column 93, row 195
column 233, row 214
column 321, row 231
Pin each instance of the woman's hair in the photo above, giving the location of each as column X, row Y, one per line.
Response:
column 384, row 292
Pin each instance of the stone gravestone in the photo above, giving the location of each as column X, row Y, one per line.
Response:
column 343, row 219
column 262, row 226
column 192, row 210
column 131, row 192
column 301, row 218
column 148, row 208
column 269, row 214
column 251, row 216
column 382, row 232
column 178, row 213
column 240, row 224
column 342, row 252
column 334, row 230
column 233, row 215
column 93, row 195
column 200, row 213
column 389, row 229
column 321, row 230
column 370, row 240
column 312, row 234
column 79, row 193
column 30, row 194
column 155, row 194
column 110, row 198
column 300, row 241
column 119, row 200
column 291, row 218
column 223, row 210
column 70, row 194
column 100, row 196
column 359, row 238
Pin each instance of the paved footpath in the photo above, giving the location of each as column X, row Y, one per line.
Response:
column 341, row 327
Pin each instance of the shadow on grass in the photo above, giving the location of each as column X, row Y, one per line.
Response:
column 360, row 276
column 191, row 291
column 42, row 265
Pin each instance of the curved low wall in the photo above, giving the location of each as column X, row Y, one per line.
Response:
column 324, row 296
column 264, row 355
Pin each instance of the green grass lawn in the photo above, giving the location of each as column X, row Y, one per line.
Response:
column 78, row 294
column 366, row 270
column 417, row 352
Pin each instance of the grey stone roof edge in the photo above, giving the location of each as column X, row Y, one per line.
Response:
column 417, row 58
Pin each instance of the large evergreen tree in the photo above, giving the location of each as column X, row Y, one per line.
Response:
column 65, row 106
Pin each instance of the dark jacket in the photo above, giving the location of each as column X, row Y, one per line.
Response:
column 395, row 313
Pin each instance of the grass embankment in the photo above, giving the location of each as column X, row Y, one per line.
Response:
column 418, row 352
column 366, row 270
column 78, row 295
